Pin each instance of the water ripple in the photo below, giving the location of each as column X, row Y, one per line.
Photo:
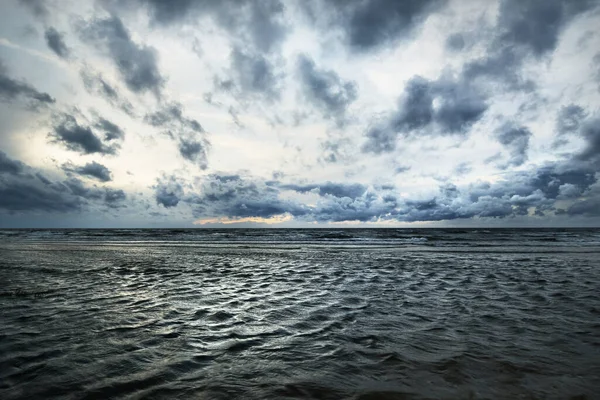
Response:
column 150, row 321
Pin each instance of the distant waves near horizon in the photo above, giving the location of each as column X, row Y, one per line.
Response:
column 539, row 238
column 300, row 313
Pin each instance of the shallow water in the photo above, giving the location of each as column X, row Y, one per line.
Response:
column 325, row 314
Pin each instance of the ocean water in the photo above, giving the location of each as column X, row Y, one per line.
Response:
column 287, row 314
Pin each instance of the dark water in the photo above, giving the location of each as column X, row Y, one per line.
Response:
column 284, row 314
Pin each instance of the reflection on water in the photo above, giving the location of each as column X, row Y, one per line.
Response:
column 96, row 320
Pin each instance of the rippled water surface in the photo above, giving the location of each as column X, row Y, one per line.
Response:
column 324, row 314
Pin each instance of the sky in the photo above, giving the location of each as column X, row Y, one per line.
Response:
column 299, row 113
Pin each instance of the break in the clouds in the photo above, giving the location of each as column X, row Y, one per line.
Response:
column 299, row 113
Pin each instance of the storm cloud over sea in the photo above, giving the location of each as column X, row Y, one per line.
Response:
column 284, row 314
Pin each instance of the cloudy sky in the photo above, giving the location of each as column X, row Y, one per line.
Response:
column 150, row 113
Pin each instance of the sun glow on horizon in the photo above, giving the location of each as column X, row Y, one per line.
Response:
column 276, row 219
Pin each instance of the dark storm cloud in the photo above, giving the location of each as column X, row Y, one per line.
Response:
column 28, row 193
column 78, row 138
column 256, row 26
column 172, row 114
column 258, row 23
column 363, row 209
column 167, row 12
column 95, row 84
column 455, row 42
column 518, row 194
column 536, row 25
column 24, row 189
column 93, row 170
column 168, row 191
column 516, row 141
column 266, row 27
column 372, row 24
column 325, row 89
column 111, row 131
column 380, row 139
column 136, row 63
column 573, row 120
column 236, row 196
column 555, row 181
column 224, row 195
column 189, row 134
column 195, row 151
column 337, row 150
column 532, row 191
column 460, row 105
column 56, row 42
column 546, row 179
column 78, row 188
column 10, row 166
column 329, row 188
column 417, row 108
column 569, row 118
column 113, row 198
column 568, row 191
column 345, row 202
column 253, row 75
column 502, row 67
column 524, row 29
column 83, row 139
column 589, row 207
column 590, row 132
column 12, row 90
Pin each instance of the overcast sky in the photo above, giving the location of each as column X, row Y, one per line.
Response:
column 150, row 113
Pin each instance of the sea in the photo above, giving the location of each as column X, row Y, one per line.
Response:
column 300, row 314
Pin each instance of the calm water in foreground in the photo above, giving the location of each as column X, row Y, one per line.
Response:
column 284, row 314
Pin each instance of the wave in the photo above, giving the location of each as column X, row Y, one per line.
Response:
column 90, row 320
